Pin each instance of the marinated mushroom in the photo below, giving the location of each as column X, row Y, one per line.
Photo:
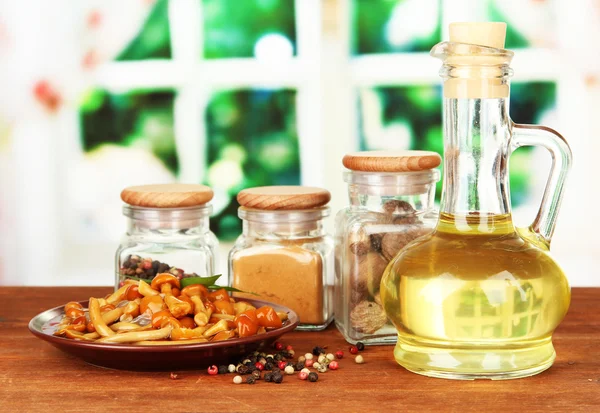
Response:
column 165, row 282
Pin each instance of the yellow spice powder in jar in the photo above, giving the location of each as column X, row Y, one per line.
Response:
column 287, row 275
column 284, row 255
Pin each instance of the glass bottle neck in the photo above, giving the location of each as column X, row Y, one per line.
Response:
column 476, row 149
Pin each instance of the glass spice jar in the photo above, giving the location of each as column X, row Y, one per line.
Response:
column 167, row 231
column 284, row 254
column 391, row 204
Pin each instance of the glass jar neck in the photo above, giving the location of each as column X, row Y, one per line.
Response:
column 476, row 148
column 192, row 220
column 371, row 190
column 283, row 225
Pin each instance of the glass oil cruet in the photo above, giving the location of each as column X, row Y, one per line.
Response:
column 479, row 298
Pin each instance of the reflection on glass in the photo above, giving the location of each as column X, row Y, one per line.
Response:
column 234, row 28
column 153, row 41
column 410, row 117
column 384, row 26
column 252, row 141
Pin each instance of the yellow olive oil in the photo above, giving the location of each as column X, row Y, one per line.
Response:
column 475, row 299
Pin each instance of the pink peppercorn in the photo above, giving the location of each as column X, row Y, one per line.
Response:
column 259, row 366
column 334, row 365
column 353, row 350
column 213, row 370
column 309, row 362
column 303, row 375
column 288, row 348
column 278, row 346
column 281, row 365
column 339, row 354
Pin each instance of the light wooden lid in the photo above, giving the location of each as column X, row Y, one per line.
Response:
column 167, row 195
column 283, row 197
column 391, row 161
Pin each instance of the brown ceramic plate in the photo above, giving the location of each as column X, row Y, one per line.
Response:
column 175, row 357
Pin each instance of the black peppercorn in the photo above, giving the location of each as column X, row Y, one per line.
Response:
column 242, row 369
column 251, row 379
column 360, row 346
column 299, row 366
column 312, row 376
column 277, row 377
column 269, row 365
column 223, row 370
column 278, row 357
column 318, row 350
column 268, row 377
column 256, row 374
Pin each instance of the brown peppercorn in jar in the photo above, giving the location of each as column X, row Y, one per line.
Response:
column 284, row 254
column 391, row 204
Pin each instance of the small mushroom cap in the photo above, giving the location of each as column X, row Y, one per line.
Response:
column 164, row 278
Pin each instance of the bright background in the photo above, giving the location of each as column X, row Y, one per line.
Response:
column 98, row 95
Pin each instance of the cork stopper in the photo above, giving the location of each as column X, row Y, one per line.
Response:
column 391, row 161
column 489, row 34
column 167, row 195
column 283, row 197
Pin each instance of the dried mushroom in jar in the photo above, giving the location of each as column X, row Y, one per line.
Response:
column 367, row 317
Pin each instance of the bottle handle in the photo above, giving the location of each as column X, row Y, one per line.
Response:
column 542, row 228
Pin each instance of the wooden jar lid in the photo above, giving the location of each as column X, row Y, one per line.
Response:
column 167, row 195
column 391, row 161
column 283, row 197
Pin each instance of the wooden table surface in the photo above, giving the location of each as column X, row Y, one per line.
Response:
column 35, row 376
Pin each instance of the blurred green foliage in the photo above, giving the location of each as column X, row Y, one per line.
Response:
column 370, row 18
column 232, row 27
column 154, row 39
column 254, row 130
column 420, row 108
column 136, row 118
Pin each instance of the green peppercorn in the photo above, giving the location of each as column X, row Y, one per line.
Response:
column 312, row 376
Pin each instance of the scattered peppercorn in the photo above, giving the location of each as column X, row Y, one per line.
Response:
column 238, row 380
column 277, row 377
column 312, row 376
column 359, row 359
column 299, row 366
column 278, row 346
column 250, row 379
column 242, row 369
column 174, row 376
column 305, row 370
column 268, row 377
column 289, row 370
column 213, row 370
column 256, row 374
column 269, row 365
column 330, row 357
column 360, row 346
column 353, row 350
column 321, row 359
column 223, row 369
column 339, row 354
column 322, row 368
column 259, row 366
column 231, row 368
column 318, row 350
column 316, row 365
column 301, row 359
column 309, row 363
column 289, row 347
column 292, row 353
column 334, row 365
column 303, row 375
column 278, row 357
column 308, row 356
column 281, row 365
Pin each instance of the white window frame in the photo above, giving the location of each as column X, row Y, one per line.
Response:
column 326, row 78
